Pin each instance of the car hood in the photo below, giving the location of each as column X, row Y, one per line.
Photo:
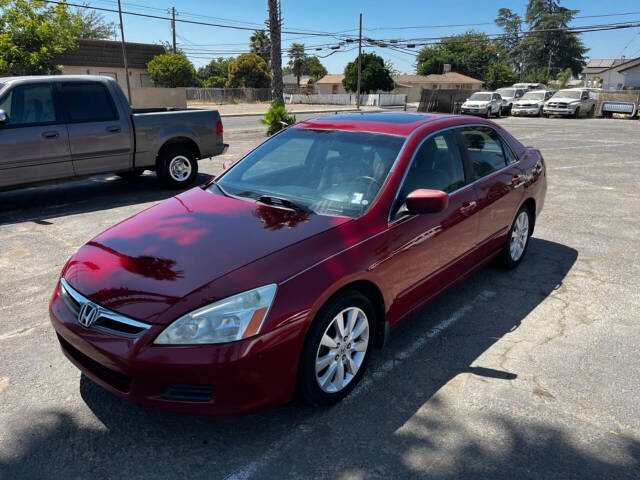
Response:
column 145, row 264
column 528, row 102
column 563, row 100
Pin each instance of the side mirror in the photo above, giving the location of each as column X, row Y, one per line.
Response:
column 427, row 201
column 4, row 118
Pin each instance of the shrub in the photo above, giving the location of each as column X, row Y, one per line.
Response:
column 277, row 118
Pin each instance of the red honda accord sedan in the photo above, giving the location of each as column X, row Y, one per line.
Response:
column 282, row 274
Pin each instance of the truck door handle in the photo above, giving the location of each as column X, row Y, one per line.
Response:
column 467, row 207
column 51, row 134
column 113, row 129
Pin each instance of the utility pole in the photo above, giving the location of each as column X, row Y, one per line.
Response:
column 275, row 23
column 173, row 27
column 359, row 64
column 124, row 53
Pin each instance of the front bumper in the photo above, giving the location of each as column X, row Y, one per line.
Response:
column 559, row 111
column 473, row 111
column 226, row 379
column 525, row 111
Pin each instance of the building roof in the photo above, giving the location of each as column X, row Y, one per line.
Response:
column 599, row 65
column 331, row 78
column 107, row 53
column 449, row 77
column 629, row 64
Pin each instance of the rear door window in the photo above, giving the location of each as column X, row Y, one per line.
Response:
column 485, row 150
column 88, row 102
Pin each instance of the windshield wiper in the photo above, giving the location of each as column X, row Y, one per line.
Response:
column 282, row 202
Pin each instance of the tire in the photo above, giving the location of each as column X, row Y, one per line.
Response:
column 333, row 357
column 511, row 257
column 132, row 174
column 499, row 114
column 577, row 113
column 177, row 166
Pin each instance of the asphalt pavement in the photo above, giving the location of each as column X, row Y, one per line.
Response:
column 530, row 373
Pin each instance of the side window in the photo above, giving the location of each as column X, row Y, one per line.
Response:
column 437, row 165
column 88, row 102
column 29, row 105
column 485, row 150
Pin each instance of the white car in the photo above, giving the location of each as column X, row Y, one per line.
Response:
column 531, row 103
column 483, row 103
column 570, row 102
column 509, row 96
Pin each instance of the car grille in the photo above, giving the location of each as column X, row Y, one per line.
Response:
column 527, row 105
column 106, row 320
column 117, row 380
column 187, row 392
column 558, row 105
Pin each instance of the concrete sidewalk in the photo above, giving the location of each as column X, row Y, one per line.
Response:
column 252, row 109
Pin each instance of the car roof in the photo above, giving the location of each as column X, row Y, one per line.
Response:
column 392, row 123
column 50, row 78
column 395, row 123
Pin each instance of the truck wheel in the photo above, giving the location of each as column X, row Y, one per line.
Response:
column 131, row 174
column 177, row 166
column 577, row 113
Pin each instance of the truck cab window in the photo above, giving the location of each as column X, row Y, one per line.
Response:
column 88, row 102
column 29, row 105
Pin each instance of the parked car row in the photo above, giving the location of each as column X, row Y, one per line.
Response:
column 573, row 102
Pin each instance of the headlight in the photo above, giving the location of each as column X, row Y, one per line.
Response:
column 226, row 320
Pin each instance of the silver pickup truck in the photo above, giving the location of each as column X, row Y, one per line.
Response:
column 63, row 127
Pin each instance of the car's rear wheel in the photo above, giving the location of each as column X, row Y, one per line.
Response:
column 517, row 239
column 336, row 350
column 177, row 166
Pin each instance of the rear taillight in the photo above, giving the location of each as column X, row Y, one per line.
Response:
column 219, row 128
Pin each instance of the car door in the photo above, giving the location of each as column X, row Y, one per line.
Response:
column 427, row 251
column 498, row 182
column 98, row 135
column 34, row 144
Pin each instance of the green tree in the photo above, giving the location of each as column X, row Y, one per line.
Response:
column 297, row 56
column 510, row 43
column 311, row 66
column 218, row 67
column 535, row 75
column 93, row 25
column 249, row 70
column 564, row 77
column 500, row 74
column 215, row 82
column 470, row 54
column 172, row 70
column 32, row 33
column 260, row 44
column 552, row 48
column 374, row 75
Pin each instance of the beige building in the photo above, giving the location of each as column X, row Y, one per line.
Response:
column 412, row 85
column 409, row 85
column 331, row 83
column 104, row 57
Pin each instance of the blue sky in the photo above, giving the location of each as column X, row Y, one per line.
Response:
column 381, row 20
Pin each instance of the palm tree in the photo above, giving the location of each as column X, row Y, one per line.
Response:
column 260, row 44
column 296, row 59
column 276, row 50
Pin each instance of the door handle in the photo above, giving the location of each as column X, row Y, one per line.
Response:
column 113, row 129
column 468, row 207
column 51, row 134
column 517, row 180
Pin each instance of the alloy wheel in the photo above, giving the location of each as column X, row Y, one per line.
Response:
column 342, row 350
column 519, row 236
column 180, row 168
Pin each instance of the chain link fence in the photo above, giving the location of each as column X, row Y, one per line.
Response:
column 220, row 96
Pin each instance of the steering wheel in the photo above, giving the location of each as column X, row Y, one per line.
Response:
column 368, row 179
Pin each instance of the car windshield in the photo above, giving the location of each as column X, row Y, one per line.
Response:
column 533, row 96
column 481, row 96
column 507, row 92
column 328, row 172
column 568, row 94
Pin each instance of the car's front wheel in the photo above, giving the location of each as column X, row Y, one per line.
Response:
column 517, row 239
column 336, row 350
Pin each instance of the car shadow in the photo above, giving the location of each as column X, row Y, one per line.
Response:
column 100, row 192
column 361, row 437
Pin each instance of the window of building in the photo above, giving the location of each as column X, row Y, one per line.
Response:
column 145, row 80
